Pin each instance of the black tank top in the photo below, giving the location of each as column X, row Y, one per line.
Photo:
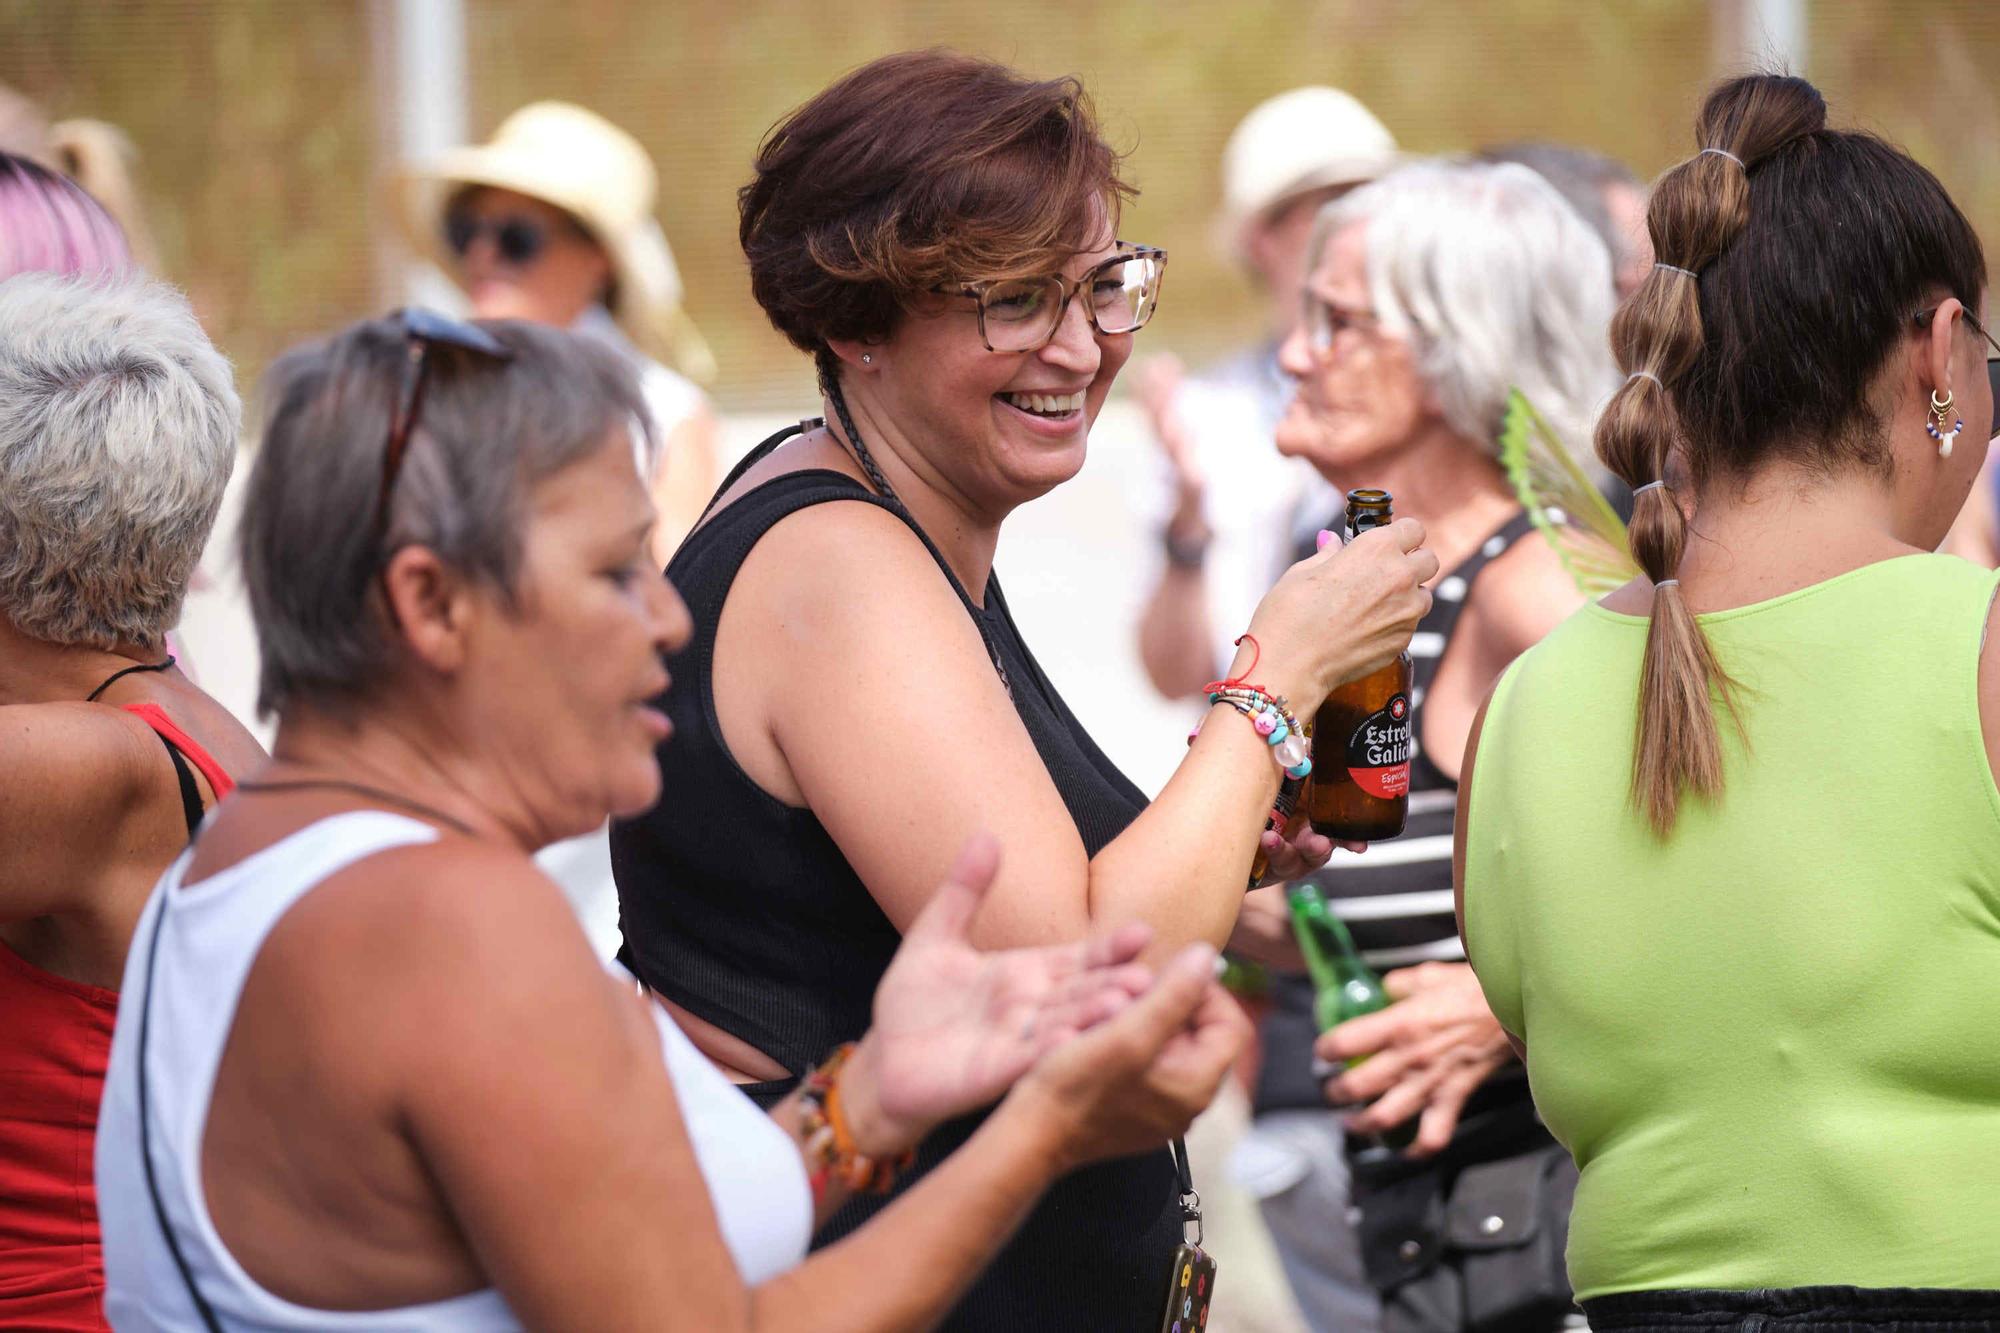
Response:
column 1397, row 899
column 742, row 910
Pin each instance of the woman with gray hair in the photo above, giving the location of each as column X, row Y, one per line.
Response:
column 1430, row 294
column 368, row 1073
column 118, row 429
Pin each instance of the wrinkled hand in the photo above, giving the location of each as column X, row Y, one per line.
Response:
column 956, row 1026
column 1343, row 612
column 1424, row 1054
column 1139, row 1079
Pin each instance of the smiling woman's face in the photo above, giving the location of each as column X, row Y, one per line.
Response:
column 999, row 427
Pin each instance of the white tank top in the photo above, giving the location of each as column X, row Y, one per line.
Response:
column 209, row 934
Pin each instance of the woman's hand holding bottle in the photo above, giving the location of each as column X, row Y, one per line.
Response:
column 1341, row 613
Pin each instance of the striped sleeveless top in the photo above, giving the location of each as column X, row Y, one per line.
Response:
column 1397, row 898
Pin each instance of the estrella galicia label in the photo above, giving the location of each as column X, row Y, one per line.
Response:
column 1378, row 752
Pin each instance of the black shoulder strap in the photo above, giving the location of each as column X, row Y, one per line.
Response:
column 802, row 490
column 1451, row 591
column 191, row 807
column 201, row 1305
column 749, row 461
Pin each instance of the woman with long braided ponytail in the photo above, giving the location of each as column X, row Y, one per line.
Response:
column 1729, row 840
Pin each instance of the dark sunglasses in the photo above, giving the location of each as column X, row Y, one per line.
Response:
column 423, row 330
column 1992, row 360
column 518, row 240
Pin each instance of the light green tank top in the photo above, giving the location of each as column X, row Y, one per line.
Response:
column 1772, row 1042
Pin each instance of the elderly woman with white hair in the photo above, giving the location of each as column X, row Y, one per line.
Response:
column 1428, row 295
column 118, row 429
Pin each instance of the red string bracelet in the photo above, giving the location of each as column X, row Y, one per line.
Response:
column 1241, row 681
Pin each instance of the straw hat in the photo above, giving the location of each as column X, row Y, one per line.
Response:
column 598, row 174
column 1297, row 142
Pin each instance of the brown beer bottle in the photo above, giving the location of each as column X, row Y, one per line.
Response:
column 1360, row 783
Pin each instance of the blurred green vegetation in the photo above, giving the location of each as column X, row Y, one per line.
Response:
column 258, row 138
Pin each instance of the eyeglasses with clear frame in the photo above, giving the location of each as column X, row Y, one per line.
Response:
column 1324, row 321
column 422, row 330
column 1992, row 359
column 1023, row 314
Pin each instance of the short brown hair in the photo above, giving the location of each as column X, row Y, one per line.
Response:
column 914, row 170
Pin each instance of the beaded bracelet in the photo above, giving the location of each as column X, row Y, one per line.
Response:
column 1290, row 746
column 1274, row 722
column 829, row 1142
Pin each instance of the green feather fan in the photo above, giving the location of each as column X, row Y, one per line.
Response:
column 1563, row 502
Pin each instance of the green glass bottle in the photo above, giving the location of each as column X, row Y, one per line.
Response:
column 1344, row 986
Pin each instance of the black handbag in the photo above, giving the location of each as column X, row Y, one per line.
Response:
column 1485, row 1231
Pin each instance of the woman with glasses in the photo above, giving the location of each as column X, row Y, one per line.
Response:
column 1429, row 295
column 1728, row 851
column 940, row 235
column 367, row 1073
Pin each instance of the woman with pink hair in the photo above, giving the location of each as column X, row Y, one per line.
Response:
column 49, row 225
column 118, row 429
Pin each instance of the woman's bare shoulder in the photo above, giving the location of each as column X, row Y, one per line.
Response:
column 1523, row 594
column 813, row 451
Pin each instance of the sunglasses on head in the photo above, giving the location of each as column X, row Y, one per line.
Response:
column 1992, row 359
column 517, row 240
column 422, row 330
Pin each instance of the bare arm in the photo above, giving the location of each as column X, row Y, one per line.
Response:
column 82, row 796
column 1176, row 645
column 588, row 1210
column 882, row 713
column 1176, row 641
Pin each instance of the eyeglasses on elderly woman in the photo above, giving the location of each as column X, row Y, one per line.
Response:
column 1992, row 360
column 1023, row 314
column 1325, row 321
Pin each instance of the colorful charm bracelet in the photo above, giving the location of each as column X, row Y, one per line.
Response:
column 830, row 1144
column 1290, row 746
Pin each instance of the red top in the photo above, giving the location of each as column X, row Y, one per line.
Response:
column 55, row 1041
column 156, row 717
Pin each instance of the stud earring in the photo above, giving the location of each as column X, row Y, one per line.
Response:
column 1942, row 412
column 868, row 358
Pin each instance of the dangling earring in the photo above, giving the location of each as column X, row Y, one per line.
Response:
column 868, row 358
column 1942, row 411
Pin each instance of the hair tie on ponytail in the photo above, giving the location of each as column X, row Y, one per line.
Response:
column 1666, row 583
column 1724, row 152
column 1638, row 491
column 1676, row 268
column 1645, row 375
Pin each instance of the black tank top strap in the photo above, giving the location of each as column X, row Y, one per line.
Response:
column 785, row 495
column 1450, row 593
column 191, row 807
